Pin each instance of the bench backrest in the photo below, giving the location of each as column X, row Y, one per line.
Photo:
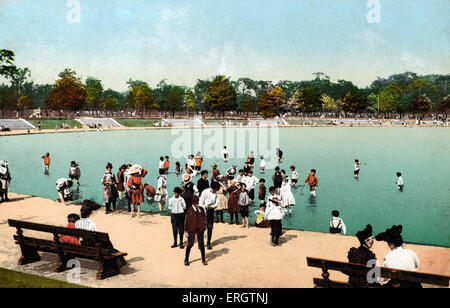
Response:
column 394, row 274
column 94, row 236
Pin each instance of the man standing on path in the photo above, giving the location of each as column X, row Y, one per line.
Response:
column 209, row 200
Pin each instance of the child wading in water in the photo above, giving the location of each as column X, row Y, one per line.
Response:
column 74, row 172
column 136, row 187
column 161, row 190
column 274, row 213
column 357, row 168
column 46, row 159
column 262, row 165
column 313, row 182
column 294, row 176
column 400, row 183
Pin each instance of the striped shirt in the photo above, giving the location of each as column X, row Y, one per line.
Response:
column 86, row 224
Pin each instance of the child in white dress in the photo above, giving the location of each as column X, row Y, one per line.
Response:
column 287, row 197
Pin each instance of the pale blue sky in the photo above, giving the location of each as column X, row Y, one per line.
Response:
column 185, row 40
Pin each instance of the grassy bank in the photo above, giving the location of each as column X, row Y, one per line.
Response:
column 136, row 122
column 52, row 123
column 12, row 279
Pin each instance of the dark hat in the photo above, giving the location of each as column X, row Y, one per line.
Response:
column 215, row 185
column 74, row 163
column 73, row 217
column 109, row 165
column 392, row 235
column 178, row 190
column 364, row 234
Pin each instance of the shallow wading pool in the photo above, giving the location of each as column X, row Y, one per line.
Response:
column 421, row 154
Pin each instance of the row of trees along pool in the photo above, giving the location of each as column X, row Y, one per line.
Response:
column 399, row 94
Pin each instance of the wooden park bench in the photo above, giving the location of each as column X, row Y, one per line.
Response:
column 350, row 268
column 29, row 246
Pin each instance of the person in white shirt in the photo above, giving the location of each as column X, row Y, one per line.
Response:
column 161, row 163
column 294, row 176
column 241, row 177
column 244, row 203
column 262, row 165
column 231, row 172
column 62, row 187
column 250, row 181
column 161, row 191
column 225, row 154
column 127, row 177
column 84, row 223
column 398, row 257
column 357, row 168
column 191, row 165
column 274, row 213
column 209, row 200
column 337, row 225
column 400, row 183
column 177, row 207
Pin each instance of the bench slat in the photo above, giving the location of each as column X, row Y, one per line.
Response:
column 97, row 236
column 77, row 251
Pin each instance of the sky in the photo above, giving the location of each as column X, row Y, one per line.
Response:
column 183, row 41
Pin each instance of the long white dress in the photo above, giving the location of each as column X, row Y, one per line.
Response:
column 287, row 197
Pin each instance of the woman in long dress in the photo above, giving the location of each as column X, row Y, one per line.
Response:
column 223, row 202
column 110, row 193
column 287, row 197
column 136, row 187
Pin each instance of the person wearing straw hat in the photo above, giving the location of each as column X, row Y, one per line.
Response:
column 5, row 179
column 74, row 172
column 110, row 192
column 136, row 187
column 215, row 173
column 189, row 190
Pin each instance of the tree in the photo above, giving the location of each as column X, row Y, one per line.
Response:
column 386, row 101
column 200, row 90
column 176, row 99
column 94, row 94
column 221, row 95
column 247, row 103
column 7, row 68
column 19, row 78
column 445, row 104
column 329, row 103
column 68, row 73
column 422, row 104
column 24, row 103
column 190, row 101
column 162, row 92
column 7, row 99
column 141, row 97
column 309, row 100
column 270, row 101
column 68, row 94
column 353, row 101
column 111, row 103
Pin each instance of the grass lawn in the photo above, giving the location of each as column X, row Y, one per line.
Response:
column 52, row 123
column 12, row 279
column 136, row 122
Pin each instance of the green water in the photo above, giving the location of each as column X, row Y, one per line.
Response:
column 421, row 154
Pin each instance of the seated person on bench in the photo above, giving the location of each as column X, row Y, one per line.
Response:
column 398, row 258
column 86, row 224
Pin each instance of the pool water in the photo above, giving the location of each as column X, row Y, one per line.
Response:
column 421, row 154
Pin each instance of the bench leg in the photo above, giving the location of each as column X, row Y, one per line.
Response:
column 29, row 255
column 62, row 263
column 108, row 268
